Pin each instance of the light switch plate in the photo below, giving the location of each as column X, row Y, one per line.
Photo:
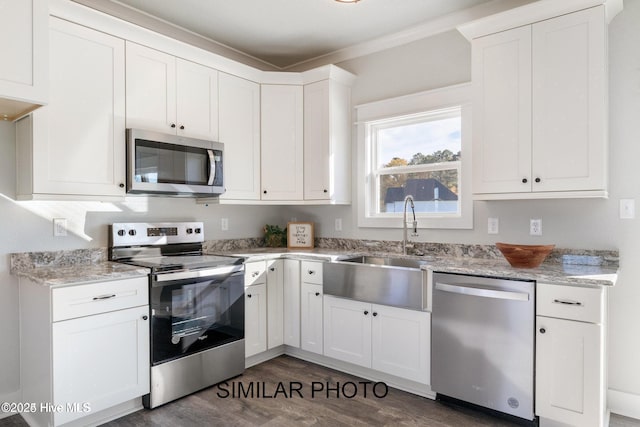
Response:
column 59, row 227
column 493, row 226
column 224, row 224
column 627, row 209
column 338, row 224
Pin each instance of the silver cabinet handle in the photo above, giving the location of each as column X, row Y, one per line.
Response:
column 482, row 292
column 311, row 272
column 567, row 302
column 101, row 297
column 272, row 269
column 212, row 166
column 255, row 273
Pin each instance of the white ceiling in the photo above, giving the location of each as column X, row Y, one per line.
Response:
column 284, row 33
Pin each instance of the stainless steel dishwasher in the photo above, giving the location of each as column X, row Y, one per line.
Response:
column 482, row 342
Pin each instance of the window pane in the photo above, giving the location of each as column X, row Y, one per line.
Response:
column 412, row 143
column 433, row 192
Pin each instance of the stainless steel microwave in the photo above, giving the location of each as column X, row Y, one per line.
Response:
column 158, row 163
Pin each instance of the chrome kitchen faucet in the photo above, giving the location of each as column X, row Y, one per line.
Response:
column 405, row 244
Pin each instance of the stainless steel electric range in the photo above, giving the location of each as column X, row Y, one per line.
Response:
column 196, row 304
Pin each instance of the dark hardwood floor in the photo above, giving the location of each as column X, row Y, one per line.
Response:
column 298, row 403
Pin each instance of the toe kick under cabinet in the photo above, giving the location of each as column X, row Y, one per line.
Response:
column 571, row 355
column 84, row 349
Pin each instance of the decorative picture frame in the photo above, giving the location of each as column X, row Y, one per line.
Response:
column 300, row 235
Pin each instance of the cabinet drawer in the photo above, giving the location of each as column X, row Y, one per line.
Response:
column 94, row 298
column 255, row 273
column 311, row 272
column 569, row 302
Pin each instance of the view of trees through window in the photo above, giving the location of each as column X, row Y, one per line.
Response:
column 403, row 168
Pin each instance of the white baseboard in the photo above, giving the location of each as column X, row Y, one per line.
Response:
column 623, row 403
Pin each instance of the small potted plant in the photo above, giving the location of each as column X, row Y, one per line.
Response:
column 274, row 236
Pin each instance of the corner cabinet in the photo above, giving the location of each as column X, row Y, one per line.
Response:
column 327, row 142
column 282, row 142
column 74, row 147
column 171, row 95
column 23, row 69
column 84, row 347
column 540, row 109
column 571, row 355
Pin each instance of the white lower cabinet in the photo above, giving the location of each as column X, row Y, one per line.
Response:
column 275, row 303
column 387, row 339
column 100, row 360
column 570, row 356
column 255, row 319
column 311, row 317
column 83, row 362
column 291, row 299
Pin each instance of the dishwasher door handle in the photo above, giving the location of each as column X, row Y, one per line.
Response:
column 482, row 292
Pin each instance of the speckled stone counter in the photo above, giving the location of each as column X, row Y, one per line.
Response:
column 64, row 268
column 547, row 272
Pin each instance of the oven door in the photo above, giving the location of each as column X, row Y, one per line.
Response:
column 169, row 164
column 195, row 311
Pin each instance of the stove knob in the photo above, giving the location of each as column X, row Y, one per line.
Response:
column 121, row 233
column 189, row 230
column 198, row 231
column 132, row 232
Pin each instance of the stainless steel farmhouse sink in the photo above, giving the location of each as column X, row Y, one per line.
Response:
column 391, row 281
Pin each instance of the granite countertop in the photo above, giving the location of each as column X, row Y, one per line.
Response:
column 553, row 273
column 80, row 273
column 548, row 272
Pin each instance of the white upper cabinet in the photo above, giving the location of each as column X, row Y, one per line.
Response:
column 23, row 69
column 74, row 147
column 327, row 142
column 282, row 142
column 171, row 95
column 239, row 102
column 540, row 109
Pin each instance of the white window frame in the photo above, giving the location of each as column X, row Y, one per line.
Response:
column 374, row 114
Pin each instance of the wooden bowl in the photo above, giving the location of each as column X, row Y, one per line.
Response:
column 524, row 256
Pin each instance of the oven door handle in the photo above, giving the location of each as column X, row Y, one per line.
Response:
column 194, row 274
column 212, row 167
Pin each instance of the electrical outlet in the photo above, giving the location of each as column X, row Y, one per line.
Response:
column 535, row 227
column 59, row 227
column 627, row 209
column 493, row 225
column 224, row 224
column 338, row 224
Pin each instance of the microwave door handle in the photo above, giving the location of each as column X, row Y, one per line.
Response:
column 212, row 167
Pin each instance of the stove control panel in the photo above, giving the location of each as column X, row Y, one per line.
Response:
column 163, row 233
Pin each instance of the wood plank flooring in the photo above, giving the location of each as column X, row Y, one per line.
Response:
column 216, row 406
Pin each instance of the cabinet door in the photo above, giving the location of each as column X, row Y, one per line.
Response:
column 400, row 342
column 78, row 139
column 347, row 330
column 327, row 141
column 569, row 102
column 291, row 308
column 282, row 142
column 151, row 89
column 275, row 302
column 311, row 317
column 255, row 319
column 239, row 106
column 197, row 100
column 23, row 69
column 101, row 359
column 569, row 371
column 502, row 112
